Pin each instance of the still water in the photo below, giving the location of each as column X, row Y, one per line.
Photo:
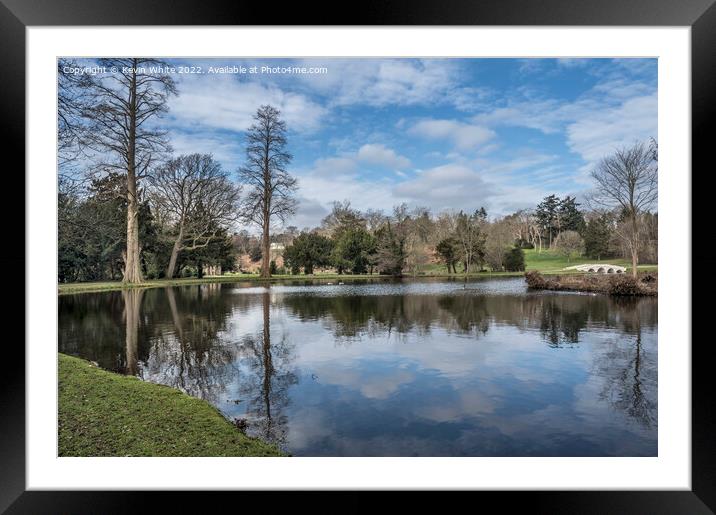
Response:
column 392, row 368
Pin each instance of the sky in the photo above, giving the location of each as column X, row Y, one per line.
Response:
column 447, row 134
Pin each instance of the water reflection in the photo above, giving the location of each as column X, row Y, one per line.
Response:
column 187, row 348
column 409, row 368
column 132, row 307
column 630, row 370
column 269, row 376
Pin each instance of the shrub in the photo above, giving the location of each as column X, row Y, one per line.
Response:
column 272, row 267
column 648, row 278
column 514, row 260
column 534, row 279
column 624, row 285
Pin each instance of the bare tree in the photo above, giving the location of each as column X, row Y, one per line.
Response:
column 271, row 187
column 72, row 99
column 197, row 198
column 628, row 181
column 445, row 225
column 341, row 218
column 499, row 238
column 569, row 244
column 124, row 101
column 470, row 235
column 374, row 218
column 526, row 228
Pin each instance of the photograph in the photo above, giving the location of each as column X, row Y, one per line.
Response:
column 357, row 256
column 415, row 247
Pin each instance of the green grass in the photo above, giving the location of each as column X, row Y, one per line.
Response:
column 106, row 414
column 546, row 262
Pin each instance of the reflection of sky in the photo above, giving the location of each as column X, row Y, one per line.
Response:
column 438, row 392
column 497, row 395
column 503, row 393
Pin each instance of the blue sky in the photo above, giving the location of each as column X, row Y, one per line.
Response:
column 438, row 133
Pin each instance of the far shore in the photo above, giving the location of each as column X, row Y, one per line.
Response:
column 103, row 286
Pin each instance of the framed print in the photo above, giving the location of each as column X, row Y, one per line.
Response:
column 420, row 252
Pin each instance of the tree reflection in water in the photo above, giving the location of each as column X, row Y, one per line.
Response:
column 190, row 352
column 265, row 387
column 629, row 369
column 132, row 313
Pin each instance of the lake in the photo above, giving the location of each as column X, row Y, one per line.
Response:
column 392, row 367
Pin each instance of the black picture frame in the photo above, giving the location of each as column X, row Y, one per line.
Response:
column 700, row 15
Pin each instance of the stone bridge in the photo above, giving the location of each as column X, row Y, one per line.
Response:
column 599, row 268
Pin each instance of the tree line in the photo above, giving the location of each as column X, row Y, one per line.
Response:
column 407, row 240
column 129, row 209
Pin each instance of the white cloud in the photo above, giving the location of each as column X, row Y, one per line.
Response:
column 333, row 166
column 309, row 213
column 378, row 154
column 225, row 103
column 446, row 187
column 545, row 116
column 384, row 82
column 229, row 152
column 621, row 88
column 601, row 132
column 616, row 112
column 362, row 194
column 463, row 136
column 463, row 184
column 572, row 62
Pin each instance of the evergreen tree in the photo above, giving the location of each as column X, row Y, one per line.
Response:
column 597, row 236
column 390, row 250
column 547, row 216
column 448, row 251
column 514, row 260
column 308, row 250
column 352, row 250
column 570, row 218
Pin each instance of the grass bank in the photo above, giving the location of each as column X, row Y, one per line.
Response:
column 107, row 414
column 545, row 262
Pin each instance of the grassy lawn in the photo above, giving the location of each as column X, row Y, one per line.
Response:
column 546, row 262
column 107, row 414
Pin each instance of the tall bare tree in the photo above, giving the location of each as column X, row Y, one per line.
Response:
column 628, row 181
column 124, row 103
column 271, row 187
column 471, row 237
column 197, row 198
